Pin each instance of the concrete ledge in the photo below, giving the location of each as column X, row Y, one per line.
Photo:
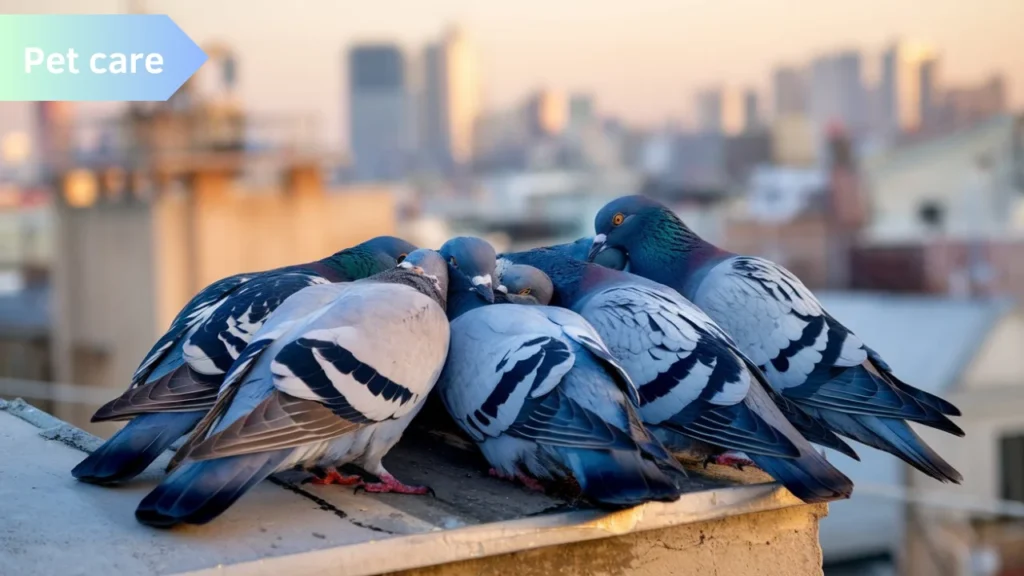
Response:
column 53, row 524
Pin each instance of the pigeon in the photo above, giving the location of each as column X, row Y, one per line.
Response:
column 540, row 394
column 178, row 381
column 697, row 392
column 521, row 284
column 808, row 356
column 335, row 385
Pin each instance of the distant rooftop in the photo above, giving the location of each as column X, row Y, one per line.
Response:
column 928, row 340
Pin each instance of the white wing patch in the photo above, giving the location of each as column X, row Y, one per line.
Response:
column 767, row 309
column 733, row 391
column 654, row 332
column 682, row 394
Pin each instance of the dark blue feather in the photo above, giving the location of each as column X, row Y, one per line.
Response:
column 249, row 305
column 299, row 358
column 134, row 447
column 198, row 492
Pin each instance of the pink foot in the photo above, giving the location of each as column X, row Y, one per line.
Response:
column 525, row 480
column 335, row 477
column 390, row 484
column 530, row 483
column 729, row 459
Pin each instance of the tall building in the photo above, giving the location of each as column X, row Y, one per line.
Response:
column 452, row 100
column 720, row 111
column 837, row 93
column 903, row 65
column 379, row 112
column 547, row 113
column 790, row 87
column 581, row 112
column 751, row 112
column 929, row 90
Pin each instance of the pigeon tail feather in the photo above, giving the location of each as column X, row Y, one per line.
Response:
column 619, row 478
column 198, row 492
column 133, row 448
column 895, row 437
column 810, row 477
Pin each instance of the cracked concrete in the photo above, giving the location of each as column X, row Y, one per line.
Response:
column 53, row 524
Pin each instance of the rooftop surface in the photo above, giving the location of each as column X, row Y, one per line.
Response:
column 54, row 524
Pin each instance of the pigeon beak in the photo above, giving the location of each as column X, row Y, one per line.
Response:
column 482, row 286
column 501, row 289
column 597, row 247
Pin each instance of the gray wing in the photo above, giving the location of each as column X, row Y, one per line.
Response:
column 505, row 375
column 370, row 355
column 292, row 312
column 501, row 355
column 804, row 352
column 198, row 309
column 578, row 329
column 673, row 351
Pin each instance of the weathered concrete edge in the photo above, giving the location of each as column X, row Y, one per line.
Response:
column 443, row 547
column 53, row 428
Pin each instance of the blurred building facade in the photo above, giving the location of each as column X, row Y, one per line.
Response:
column 838, row 96
column 452, row 99
column 789, row 85
column 720, row 110
column 149, row 206
column 906, row 87
column 380, row 112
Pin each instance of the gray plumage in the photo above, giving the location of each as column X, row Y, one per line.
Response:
column 810, row 358
column 334, row 376
column 538, row 391
column 523, row 284
column 694, row 385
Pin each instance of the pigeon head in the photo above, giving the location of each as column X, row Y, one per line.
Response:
column 389, row 247
column 473, row 260
column 430, row 264
column 643, row 230
column 526, row 284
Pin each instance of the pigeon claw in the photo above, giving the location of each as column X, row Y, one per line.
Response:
column 523, row 479
column 529, row 482
column 727, row 459
column 332, row 476
column 390, row 485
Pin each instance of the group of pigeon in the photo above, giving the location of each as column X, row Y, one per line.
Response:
column 598, row 364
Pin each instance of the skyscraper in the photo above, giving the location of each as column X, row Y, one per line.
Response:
column 581, row 112
column 720, row 111
column 547, row 112
column 379, row 112
column 452, row 100
column 751, row 112
column 903, row 65
column 837, row 93
column 929, row 92
column 790, row 87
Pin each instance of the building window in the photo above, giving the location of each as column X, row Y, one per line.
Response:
column 1011, row 458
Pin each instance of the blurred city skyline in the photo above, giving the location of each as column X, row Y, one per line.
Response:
column 642, row 61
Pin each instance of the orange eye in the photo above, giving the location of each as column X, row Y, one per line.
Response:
column 401, row 257
column 453, row 262
column 524, row 292
column 618, row 219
